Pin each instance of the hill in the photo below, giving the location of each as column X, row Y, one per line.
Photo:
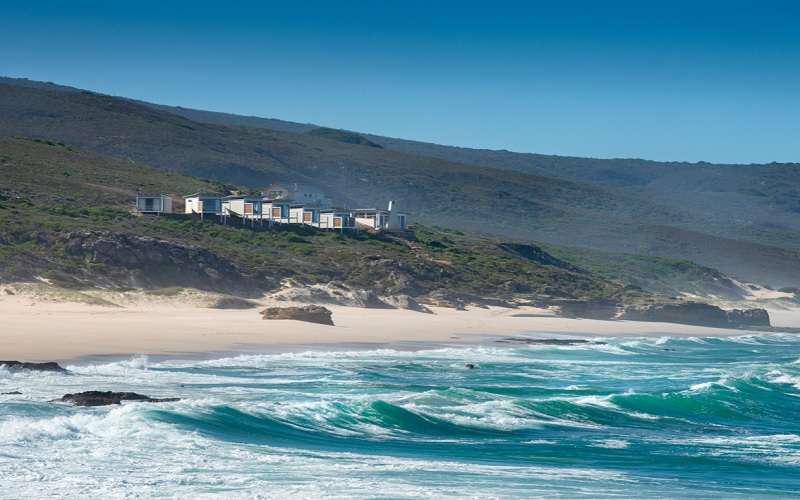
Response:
column 64, row 218
column 739, row 219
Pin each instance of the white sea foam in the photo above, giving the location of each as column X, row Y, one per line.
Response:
column 614, row 444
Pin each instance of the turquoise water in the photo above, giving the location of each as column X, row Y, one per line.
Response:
column 656, row 417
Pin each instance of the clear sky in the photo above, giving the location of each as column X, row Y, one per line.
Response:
column 668, row 80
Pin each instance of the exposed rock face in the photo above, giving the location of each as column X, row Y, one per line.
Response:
column 748, row 317
column 311, row 314
column 440, row 298
column 101, row 398
column 144, row 262
column 38, row 367
column 395, row 277
column 406, row 302
column 331, row 293
column 588, row 309
column 695, row 313
column 233, row 303
column 336, row 293
column 536, row 254
column 687, row 313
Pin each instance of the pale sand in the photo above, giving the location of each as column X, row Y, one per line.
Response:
column 36, row 330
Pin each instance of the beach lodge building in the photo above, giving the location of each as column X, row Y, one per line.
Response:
column 203, row 204
column 154, row 204
column 246, row 207
column 379, row 220
column 279, row 205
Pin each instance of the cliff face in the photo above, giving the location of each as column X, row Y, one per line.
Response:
column 695, row 313
column 143, row 262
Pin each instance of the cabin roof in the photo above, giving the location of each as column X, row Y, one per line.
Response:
column 203, row 195
column 375, row 210
column 242, row 197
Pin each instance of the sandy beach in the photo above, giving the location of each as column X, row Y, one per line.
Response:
column 43, row 330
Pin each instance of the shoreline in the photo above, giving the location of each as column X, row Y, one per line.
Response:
column 181, row 327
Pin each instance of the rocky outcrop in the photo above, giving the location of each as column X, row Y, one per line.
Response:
column 330, row 293
column 536, row 254
column 748, row 317
column 233, row 303
column 343, row 295
column 311, row 314
column 143, row 262
column 38, row 367
column 589, row 309
column 439, row 298
column 406, row 302
column 696, row 313
column 102, row 398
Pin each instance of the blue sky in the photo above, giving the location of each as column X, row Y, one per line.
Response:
column 667, row 80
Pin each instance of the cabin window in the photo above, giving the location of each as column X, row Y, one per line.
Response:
column 276, row 212
column 248, row 209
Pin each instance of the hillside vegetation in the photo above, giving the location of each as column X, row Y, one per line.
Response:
column 65, row 217
column 741, row 220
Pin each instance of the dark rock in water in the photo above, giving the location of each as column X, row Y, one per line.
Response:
column 470, row 366
column 696, row 313
column 11, row 393
column 748, row 317
column 233, row 303
column 102, row 398
column 588, row 309
column 311, row 314
column 37, row 367
column 523, row 340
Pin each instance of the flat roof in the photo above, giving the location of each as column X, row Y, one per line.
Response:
column 242, row 197
column 376, row 210
column 203, row 195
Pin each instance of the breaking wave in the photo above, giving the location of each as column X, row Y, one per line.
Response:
column 659, row 416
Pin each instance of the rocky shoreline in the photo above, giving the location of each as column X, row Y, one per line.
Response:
column 667, row 311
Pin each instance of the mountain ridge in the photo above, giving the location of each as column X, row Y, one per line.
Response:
column 754, row 231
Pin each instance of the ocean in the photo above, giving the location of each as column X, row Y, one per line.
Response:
column 617, row 418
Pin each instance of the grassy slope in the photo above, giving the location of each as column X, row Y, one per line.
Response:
column 756, row 245
column 759, row 203
column 51, row 189
column 666, row 276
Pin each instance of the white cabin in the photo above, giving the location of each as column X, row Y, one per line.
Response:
column 296, row 214
column 335, row 219
column 375, row 219
column 276, row 211
column 203, row 203
column 311, row 216
column 154, row 204
column 246, row 207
